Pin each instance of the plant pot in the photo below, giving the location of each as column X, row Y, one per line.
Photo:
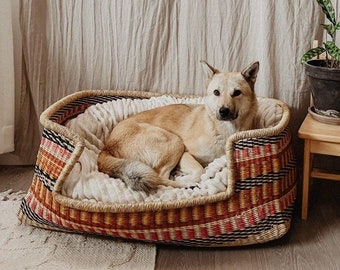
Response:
column 325, row 87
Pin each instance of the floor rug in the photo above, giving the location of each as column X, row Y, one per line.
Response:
column 26, row 247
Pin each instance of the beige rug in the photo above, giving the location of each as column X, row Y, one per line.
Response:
column 26, row 247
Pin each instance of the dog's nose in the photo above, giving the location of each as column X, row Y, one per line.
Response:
column 224, row 112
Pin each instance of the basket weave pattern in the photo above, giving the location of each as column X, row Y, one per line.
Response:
column 258, row 209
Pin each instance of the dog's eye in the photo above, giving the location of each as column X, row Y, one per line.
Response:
column 237, row 93
column 216, row 92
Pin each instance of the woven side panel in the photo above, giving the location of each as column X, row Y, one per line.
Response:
column 256, row 208
column 54, row 152
column 77, row 107
column 249, row 214
column 261, row 156
column 238, row 205
column 206, row 227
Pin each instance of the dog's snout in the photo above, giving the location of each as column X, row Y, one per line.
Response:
column 224, row 112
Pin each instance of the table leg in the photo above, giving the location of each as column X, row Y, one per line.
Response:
column 306, row 179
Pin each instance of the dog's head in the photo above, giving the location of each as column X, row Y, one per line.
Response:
column 230, row 95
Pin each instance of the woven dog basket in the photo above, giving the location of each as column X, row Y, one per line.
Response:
column 255, row 208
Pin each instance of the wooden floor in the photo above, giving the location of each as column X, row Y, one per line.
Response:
column 311, row 244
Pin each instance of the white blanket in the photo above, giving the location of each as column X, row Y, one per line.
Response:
column 86, row 183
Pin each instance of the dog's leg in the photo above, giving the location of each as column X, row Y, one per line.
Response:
column 192, row 168
column 187, row 164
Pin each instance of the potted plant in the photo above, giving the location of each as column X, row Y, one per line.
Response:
column 324, row 74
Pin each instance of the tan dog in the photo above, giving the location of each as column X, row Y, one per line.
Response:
column 143, row 149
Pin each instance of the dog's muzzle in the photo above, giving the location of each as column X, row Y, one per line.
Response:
column 225, row 114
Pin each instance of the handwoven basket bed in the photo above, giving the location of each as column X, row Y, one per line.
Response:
column 256, row 207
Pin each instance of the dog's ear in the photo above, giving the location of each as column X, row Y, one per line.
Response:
column 250, row 72
column 210, row 70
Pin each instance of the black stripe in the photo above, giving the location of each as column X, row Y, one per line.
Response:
column 45, row 178
column 265, row 178
column 27, row 211
column 264, row 225
column 85, row 101
column 251, row 142
column 58, row 139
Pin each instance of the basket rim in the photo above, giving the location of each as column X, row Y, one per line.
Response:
column 79, row 144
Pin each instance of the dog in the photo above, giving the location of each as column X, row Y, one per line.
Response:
column 143, row 149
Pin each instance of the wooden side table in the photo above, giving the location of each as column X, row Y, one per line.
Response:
column 322, row 139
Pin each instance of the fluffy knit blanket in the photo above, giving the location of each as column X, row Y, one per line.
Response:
column 86, row 183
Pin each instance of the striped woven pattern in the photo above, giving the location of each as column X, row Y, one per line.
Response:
column 258, row 210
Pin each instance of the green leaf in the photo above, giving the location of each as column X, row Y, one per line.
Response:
column 337, row 27
column 332, row 50
column 330, row 29
column 328, row 10
column 312, row 53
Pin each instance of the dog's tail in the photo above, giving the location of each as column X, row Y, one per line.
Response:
column 135, row 174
